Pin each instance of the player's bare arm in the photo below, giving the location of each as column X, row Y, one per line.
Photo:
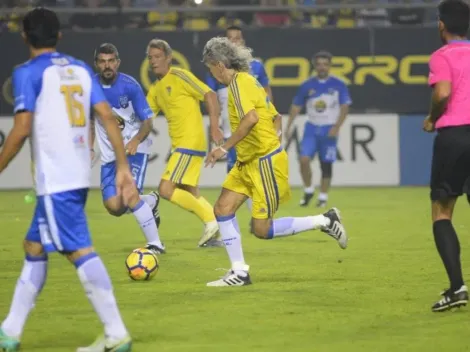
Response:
column 277, row 121
column 144, row 131
column 16, row 138
column 213, row 109
column 343, row 113
column 246, row 124
column 92, row 136
column 294, row 111
column 440, row 97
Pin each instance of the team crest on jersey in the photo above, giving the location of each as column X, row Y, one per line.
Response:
column 168, row 89
column 320, row 105
column 124, row 101
column 311, row 92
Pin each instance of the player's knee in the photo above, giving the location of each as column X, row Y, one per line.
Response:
column 304, row 161
column 261, row 228
column 166, row 189
column 223, row 209
column 115, row 209
column 34, row 249
column 326, row 169
column 73, row 257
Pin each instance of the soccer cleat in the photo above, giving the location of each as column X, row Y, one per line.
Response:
column 155, row 210
column 307, row 197
column 231, row 279
column 103, row 344
column 336, row 229
column 155, row 249
column 451, row 300
column 8, row 344
column 210, row 231
column 321, row 203
column 213, row 242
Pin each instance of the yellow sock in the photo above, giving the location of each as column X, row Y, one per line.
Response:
column 208, row 208
column 190, row 203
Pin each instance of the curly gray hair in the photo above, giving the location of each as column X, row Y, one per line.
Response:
column 233, row 56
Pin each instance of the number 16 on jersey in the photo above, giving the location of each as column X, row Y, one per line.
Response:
column 75, row 109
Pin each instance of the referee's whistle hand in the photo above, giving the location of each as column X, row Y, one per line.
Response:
column 428, row 125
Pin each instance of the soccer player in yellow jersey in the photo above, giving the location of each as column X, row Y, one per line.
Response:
column 261, row 171
column 178, row 93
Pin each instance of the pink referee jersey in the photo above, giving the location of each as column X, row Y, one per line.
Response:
column 452, row 63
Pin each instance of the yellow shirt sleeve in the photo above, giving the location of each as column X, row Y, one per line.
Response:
column 152, row 101
column 244, row 95
column 192, row 85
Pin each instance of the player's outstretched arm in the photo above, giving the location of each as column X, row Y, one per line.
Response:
column 211, row 102
column 16, row 138
column 109, row 123
column 294, row 111
column 277, row 121
column 245, row 126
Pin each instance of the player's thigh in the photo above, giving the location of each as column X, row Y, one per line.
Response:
column 67, row 227
column 138, row 165
column 450, row 168
column 327, row 149
column 308, row 144
column 270, row 180
column 33, row 243
column 108, row 181
column 234, row 193
column 184, row 169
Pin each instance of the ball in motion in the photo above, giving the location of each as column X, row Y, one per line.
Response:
column 142, row 264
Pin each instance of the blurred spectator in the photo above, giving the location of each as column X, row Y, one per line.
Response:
column 92, row 20
column 406, row 16
column 164, row 20
column 272, row 18
column 345, row 17
column 129, row 20
column 229, row 18
column 317, row 18
column 377, row 17
column 12, row 22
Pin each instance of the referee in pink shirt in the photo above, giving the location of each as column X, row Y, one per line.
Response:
column 449, row 77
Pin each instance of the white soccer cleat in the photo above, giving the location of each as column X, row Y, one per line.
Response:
column 210, row 231
column 103, row 344
column 336, row 228
column 233, row 279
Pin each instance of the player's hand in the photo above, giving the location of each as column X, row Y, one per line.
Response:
column 131, row 147
column 217, row 135
column 334, row 131
column 125, row 184
column 428, row 125
column 215, row 155
column 288, row 133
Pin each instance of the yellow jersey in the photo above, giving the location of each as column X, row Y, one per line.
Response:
column 246, row 94
column 178, row 95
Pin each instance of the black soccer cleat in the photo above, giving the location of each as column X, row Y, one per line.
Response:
column 321, row 204
column 155, row 210
column 336, row 229
column 307, row 197
column 451, row 300
column 155, row 249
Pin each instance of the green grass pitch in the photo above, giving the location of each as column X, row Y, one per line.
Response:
column 307, row 293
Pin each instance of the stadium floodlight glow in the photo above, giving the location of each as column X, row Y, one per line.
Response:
column 198, row 2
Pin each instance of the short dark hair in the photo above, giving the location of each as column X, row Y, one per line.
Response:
column 322, row 55
column 455, row 14
column 233, row 28
column 41, row 27
column 106, row 48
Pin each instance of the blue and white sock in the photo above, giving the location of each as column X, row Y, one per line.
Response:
column 149, row 199
column 144, row 216
column 28, row 287
column 99, row 290
column 293, row 226
column 230, row 233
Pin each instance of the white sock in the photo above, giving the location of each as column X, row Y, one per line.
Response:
column 309, row 190
column 230, row 233
column 99, row 290
column 249, row 204
column 323, row 197
column 149, row 199
column 293, row 226
column 144, row 216
column 28, row 287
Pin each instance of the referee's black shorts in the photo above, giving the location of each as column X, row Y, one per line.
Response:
column 450, row 173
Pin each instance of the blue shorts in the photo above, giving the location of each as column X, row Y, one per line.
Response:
column 231, row 159
column 60, row 223
column 138, row 165
column 315, row 140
